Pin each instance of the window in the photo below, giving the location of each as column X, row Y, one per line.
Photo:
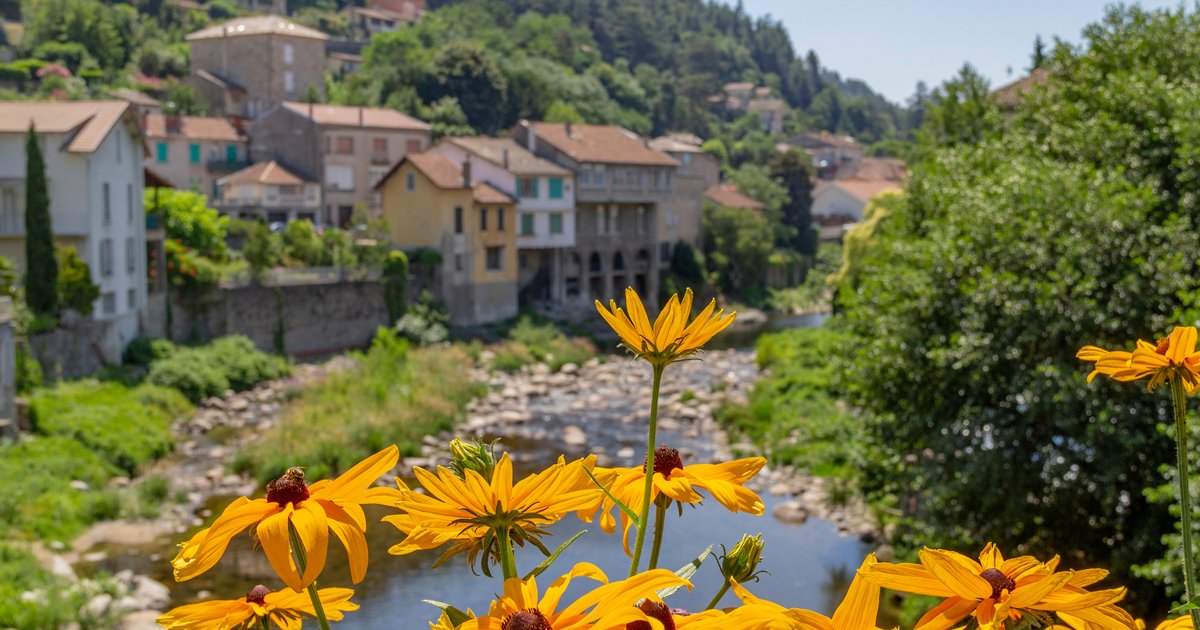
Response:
column 526, row 225
column 131, row 297
column 556, row 223
column 339, row 177
column 598, row 175
column 641, row 220
column 458, row 220
column 601, row 220
column 529, row 188
column 686, row 158
column 288, row 53
column 523, row 260
column 500, row 219
column 556, row 191
column 231, row 153
column 345, row 145
column 379, row 147
column 585, row 175
column 109, row 302
column 495, row 258
column 129, row 202
column 458, row 262
column 161, row 152
column 130, row 256
column 412, row 146
column 410, row 181
column 664, row 249
column 106, row 257
column 107, row 203
column 613, row 220
column 12, row 215
column 194, row 153
column 483, row 220
column 289, row 81
column 376, row 174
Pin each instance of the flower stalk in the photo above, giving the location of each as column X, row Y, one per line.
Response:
column 1179, row 402
column 660, row 524
column 508, row 562
column 644, row 514
column 302, row 565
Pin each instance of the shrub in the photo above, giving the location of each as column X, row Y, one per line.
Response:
column 227, row 363
column 424, row 323
column 143, row 351
column 195, row 380
column 302, row 245
column 530, row 342
column 75, row 287
column 28, row 369
column 395, row 284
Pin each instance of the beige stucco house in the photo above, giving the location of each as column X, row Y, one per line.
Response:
column 192, row 152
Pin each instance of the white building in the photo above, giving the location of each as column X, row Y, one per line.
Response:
column 840, row 203
column 545, row 195
column 94, row 155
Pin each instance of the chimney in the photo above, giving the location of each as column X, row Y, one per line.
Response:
column 567, row 128
column 310, row 110
column 466, row 172
column 504, row 159
column 530, row 136
column 360, row 116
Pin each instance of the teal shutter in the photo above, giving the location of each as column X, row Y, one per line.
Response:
column 526, row 224
column 231, row 153
column 556, row 188
column 194, row 149
column 162, row 152
column 535, row 187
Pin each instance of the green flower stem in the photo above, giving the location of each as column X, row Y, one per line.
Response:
column 508, row 562
column 721, row 593
column 262, row 624
column 644, row 515
column 302, row 565
column 1179, row 400
column 660, row 523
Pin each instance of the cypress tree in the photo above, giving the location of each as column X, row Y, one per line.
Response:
column 41, row 267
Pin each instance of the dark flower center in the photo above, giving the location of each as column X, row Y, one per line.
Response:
column 655, row 610
column 999, row 582
column 258, row 595
column 530, row 619
column 1164, row 344
column 666, row 459
column 290, row 488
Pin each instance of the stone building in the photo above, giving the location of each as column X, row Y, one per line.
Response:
column 621, row 186
column 192, row 152
column 683, row 214
column 245, row 66
column 433, row 203
column 347, row 150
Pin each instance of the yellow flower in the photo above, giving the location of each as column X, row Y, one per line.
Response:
column 678, row 482
column 671, row 338
column 1172, row 355
column 611, row 606
column 468, row 511
column 1180, row 623
column 995, row 590
column 282, row 608
column 312, row 510
column 857, row 611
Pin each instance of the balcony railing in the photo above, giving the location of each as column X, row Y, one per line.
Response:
column 226, row 166
column 380, row 158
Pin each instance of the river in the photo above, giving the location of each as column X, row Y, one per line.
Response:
column 602, row 409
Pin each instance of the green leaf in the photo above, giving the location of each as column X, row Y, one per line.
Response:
column 455, row 615
column 1188, row 606
column 539, row 569
column 628, row 512
column 686, row 572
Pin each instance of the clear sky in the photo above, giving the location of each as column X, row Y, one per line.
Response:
column 892, row 44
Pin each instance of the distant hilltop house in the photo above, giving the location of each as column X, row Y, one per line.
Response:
column 1010, row 95
column 245, row 66
column 833, row 156
column 94, row 154
column 347, row 149
column 192, row 152
column 742, row 98
column 840, row 203
column 378, row 18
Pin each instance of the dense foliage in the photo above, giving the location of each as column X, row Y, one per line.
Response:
column 530, row 342
column 41, row 266
column 195, row 245
column 1073, row 222
column 209, row 370
column 75, row 287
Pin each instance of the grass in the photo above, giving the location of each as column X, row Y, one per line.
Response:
column 36, row 497
column 531, row 342
column 396, row 395
column 793, row 413
column 57, row 603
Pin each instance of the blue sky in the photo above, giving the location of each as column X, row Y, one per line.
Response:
column 891, row 44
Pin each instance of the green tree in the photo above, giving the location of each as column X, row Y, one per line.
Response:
column 737, row 247
column 395, row 284
column 184, row 100
column 41, row 267
column 756, row 182
column 793, row 170
column 960, row 111
column 9, row 278
column 75, row 287
column 468, row 72
column 447, row 118
column 187, row 219
column 563, row 113
column 300, row 243
column 262, row 249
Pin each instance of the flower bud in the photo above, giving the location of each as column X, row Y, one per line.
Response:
column 741, row 563
column 476, row 455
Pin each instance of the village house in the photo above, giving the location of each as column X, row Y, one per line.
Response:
column 94, row 156
column 728, row 196
column 245, row 66
column 347, row 149
column 365, row 22
column 1009, row 96
column 742, row 98
column 545, row 220
column 833, row 156
column 683, row 214
column 433, row 203
column 270, row 192
column 840, row 203
column 192, row 152
column 621, row 186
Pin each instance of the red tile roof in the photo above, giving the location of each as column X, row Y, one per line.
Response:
column 729, row 197
column 89, row 121
column 345, row 116
column 862, row 189
column 484, row 192
column 881, row 168
column 263, row 173
column 1011, row 94
column 605, row 144
column 194, row 127
column 519, row 161
column 256, row 25
column 438, row 168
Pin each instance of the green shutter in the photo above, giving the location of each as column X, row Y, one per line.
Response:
column 556, row 188
column 194, row 150
column 517, row 189
column 162, row 152
column 556, row 223
column 231, row 153
column 526, row 224
column 535, row 188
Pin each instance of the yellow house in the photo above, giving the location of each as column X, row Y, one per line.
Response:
column 432, row 203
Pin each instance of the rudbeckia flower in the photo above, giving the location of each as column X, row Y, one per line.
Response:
column 995, row 590
column 1174, row 355
column 671, row 338
column 284, row 609
column 678, row 482
column 611, row 606
column 314, row 511
column 469, row 511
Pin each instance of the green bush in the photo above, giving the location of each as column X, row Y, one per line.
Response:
column 128, row 427
column 75, row 287
column 143, row 351
column 227, row 363
column 424, row 323
column 530, row 342
column 28, row 369
column 395, row 284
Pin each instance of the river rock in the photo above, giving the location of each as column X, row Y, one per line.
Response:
column 141, row 620
column 574, row 436
column 149, row 593
column 97, row 606
column 791, row 512
column 80, row 485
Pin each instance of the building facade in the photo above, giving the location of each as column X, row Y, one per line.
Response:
column 270, row 192
column 622, row 185
column 193, row 152
column 682, row 217
column 545, row 219
column 245, row 66
column 348, row 150
column 432, row 202
column 94, row 155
